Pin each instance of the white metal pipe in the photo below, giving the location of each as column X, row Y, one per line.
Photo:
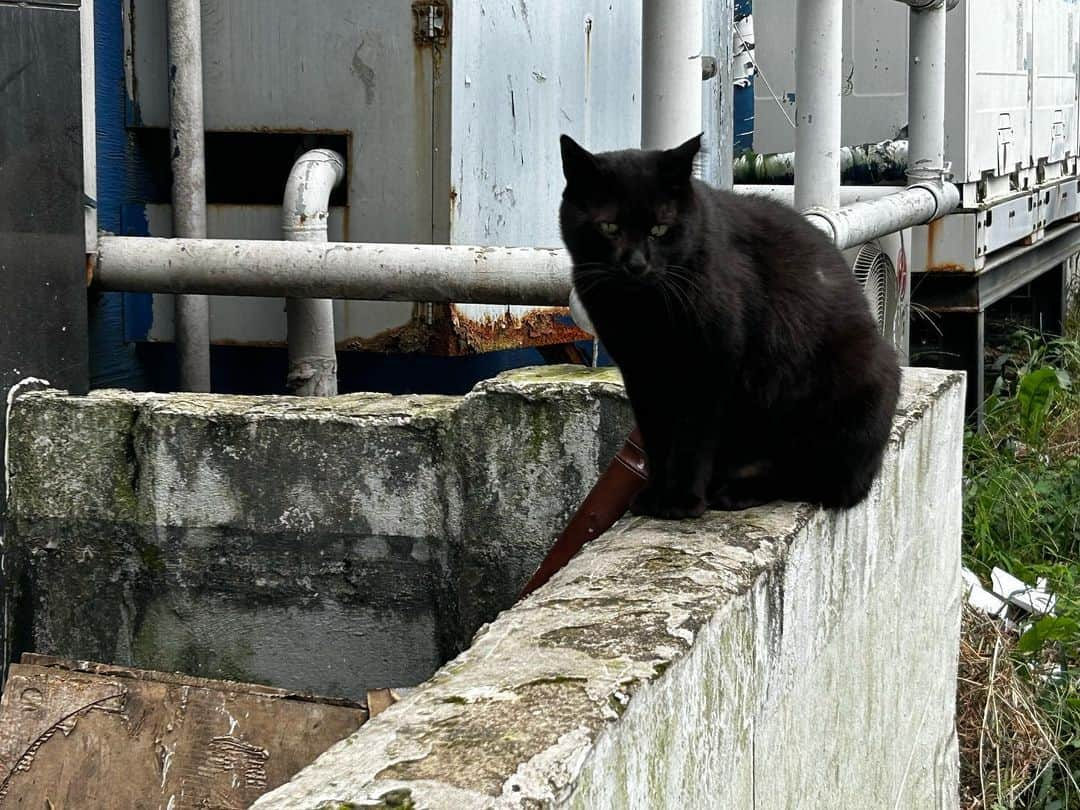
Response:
column 189, row 181
column 348, row 270
column 312, row 350
column 858, row 223
column 671, row 40
column 926, row 92
column 818, row 79
column 436, row 273
column 786, row 193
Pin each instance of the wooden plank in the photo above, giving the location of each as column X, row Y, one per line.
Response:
column 81, row 734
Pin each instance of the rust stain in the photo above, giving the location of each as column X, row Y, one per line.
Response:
column 933, row 234
column 946, row 267
column 449, row 333
column 91, row 263
column 932, row 229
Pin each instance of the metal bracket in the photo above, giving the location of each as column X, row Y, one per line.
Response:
column 923, row 171
column 431, row 23
column 708, row 67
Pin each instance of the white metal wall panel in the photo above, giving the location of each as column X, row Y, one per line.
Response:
column 332, row 66
column 522, row 74
column 987, row 109
column 1054, row 108
column 875, row 72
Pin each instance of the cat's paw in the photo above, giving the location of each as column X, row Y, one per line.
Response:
column 670, row 506
column 734, row 503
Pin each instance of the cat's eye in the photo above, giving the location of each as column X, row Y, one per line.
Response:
column 658, row 231
column 609, row 228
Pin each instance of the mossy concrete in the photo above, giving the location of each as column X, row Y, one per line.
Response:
column 331, row 544
column 781, row 657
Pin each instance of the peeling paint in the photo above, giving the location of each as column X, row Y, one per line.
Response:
column 450, row 333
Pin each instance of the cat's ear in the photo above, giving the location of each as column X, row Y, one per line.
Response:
column 578, row 164
column 678, row 163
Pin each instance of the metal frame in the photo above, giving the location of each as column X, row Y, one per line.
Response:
column 961, row 299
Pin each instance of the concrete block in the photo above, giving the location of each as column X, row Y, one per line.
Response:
column 781, row 657
column 330, row 545
column 528, row 446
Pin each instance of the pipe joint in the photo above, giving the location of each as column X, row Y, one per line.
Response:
column 930, row 5
column 307, row 195
column 946, row 196
column 826, row 221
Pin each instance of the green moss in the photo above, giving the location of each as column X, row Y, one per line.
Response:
column 398, row 799
column 228, row 665
column 561, row 373
column 164, row 642
column 556, row 679
column 152, row 558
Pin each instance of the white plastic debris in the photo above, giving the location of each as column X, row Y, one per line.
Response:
column 1007, row 590
column 1037, row 601
column 981, row 599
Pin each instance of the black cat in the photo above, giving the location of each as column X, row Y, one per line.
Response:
column 750, row 356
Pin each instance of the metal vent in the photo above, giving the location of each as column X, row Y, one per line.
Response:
column 876, row 276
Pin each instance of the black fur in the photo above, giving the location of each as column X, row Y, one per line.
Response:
column 749, row 354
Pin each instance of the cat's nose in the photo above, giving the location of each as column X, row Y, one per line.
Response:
column 636, row 263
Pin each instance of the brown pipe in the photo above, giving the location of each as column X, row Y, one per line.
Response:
column 610, row 497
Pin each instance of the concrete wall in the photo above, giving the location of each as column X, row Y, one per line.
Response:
column 781, row 657
column 332, row 545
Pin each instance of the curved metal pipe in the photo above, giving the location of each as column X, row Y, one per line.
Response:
column 312, row 351
column 858, row 223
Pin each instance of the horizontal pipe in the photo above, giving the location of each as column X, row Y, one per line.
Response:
column 786, row 193
column 345, row 270
column 430, row 273
column 880, row 162
column 858, row 223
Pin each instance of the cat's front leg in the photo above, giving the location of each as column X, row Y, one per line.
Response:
column 680, row 466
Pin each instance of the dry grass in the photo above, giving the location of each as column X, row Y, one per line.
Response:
column 1005, row 745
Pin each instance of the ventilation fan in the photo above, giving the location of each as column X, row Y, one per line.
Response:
column 876, row 276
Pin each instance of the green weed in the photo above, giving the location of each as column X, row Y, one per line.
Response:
column 1022, row 513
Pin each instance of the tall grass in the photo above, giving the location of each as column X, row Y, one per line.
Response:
column 1022, row 513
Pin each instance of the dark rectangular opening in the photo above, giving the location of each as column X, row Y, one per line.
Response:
column 242, row 168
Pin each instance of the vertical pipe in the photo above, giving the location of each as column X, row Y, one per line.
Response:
column 312, row 350
column 716, row 95
column 189, row 182
column 671, row 39
column 926, row 93
column 818, row 78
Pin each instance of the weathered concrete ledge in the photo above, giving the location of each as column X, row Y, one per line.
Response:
column 782, row 657
column 328, row 545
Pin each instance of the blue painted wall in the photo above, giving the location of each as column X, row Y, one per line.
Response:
column 743, row 98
